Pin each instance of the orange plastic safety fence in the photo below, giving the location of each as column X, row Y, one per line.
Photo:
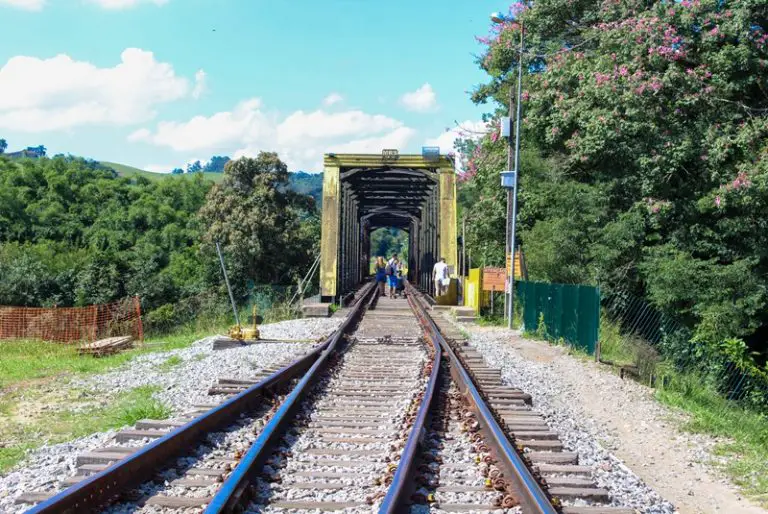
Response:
column 73, row 324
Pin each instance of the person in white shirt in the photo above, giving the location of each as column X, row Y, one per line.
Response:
column 439, row 273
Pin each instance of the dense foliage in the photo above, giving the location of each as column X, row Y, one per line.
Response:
column 386, row 241
column 74, row 233
column 269, row 233
column 646, row 128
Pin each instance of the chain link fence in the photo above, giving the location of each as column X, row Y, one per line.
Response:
column 656, row 337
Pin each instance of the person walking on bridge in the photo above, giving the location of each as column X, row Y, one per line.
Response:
column 380, row 269
column 393, row 267
column 440, row 277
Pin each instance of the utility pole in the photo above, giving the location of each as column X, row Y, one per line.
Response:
column 510, row 200
column 518, row 130
column 509, row 176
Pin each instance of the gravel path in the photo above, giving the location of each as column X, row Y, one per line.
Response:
column 181, row 386
column 611, row 422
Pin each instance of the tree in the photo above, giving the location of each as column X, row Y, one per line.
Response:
column 259, row 222
column 3, row 145
column 177, row 171
column 653, row 117
column 38, row 151
column 216, row 164
column 194, row 167
column 73, row 233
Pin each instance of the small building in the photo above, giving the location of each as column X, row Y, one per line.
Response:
column 31, row 152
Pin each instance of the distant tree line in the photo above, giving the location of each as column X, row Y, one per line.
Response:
column 215, row 165
column 73, row 233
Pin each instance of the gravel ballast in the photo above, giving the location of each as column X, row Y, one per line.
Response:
column 180, row 387
column 615, row 426
column 577, row 432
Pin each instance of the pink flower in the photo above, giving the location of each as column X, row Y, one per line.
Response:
column 494, row 136
column 741, row 181
column 602, row 78
column 717, row 200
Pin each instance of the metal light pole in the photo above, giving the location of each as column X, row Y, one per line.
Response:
column 509, row 178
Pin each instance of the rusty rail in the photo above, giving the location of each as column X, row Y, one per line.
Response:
column 101, row 488
column 527, row 489
column 236, row 489
column 400, row 489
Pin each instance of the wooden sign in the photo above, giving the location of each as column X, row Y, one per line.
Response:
column 494, row 279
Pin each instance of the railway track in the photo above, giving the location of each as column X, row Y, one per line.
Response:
column 386, row 415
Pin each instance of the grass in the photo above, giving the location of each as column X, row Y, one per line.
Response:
column 614, row 346
column 129, row 171
column 67, row 417
column 135, row 406
column 38, row 406
column 746, row 431
column 171, row 362
column 25, row 361
column 22, row 361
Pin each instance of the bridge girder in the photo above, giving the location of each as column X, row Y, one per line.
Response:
column 362, row 192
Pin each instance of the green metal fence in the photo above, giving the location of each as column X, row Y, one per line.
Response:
column 567, row 311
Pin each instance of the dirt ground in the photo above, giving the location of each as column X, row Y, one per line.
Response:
column 644, row 433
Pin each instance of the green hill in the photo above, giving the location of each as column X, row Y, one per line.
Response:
column 303, row 183
column 129, row 171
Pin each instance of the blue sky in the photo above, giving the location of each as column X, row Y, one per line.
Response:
column 158, row 83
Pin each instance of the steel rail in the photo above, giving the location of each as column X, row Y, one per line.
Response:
column 236, row 488
column 402, row 482
column 101, row 488
column 527, row 489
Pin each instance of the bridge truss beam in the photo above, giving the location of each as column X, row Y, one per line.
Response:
column 364, row 192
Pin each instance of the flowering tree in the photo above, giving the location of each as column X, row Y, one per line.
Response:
column 656, row 113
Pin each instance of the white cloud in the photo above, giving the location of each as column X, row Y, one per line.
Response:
column 332, row 99
column 29, row 5
column 301, row 138
column 398, row 138
column 167, row 168
column 467, row 130
column 322, row 125
column 421, row 100
column 158, row 168
column 200, row 84
column 244, row 123
column 124, row 4
column 38, row 95
column 37, row 5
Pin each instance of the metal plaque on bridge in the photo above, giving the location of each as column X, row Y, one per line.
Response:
column 389, row 155
column 494, row 279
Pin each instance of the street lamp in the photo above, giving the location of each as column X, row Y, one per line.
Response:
column 509, row 177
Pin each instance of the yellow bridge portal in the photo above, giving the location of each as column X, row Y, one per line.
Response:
column 363, row 192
